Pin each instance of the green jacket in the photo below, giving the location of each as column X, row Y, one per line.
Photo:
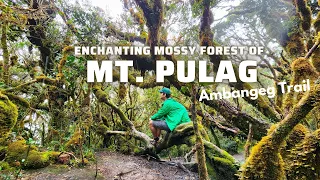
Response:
column 173, row 112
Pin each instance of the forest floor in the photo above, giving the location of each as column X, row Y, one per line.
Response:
column 114, row 166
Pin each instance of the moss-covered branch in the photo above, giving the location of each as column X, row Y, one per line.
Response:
column 220, row 123
column 305, row 14
column 34, row 159
column 148, row 82
column 239, row 119
column 42, row 78
column 206, row 39
column 305, row 105
column 260, row 103
column 131, row 37
column 314, row 47
column 302, row 69
column 65, row 52
column 103, row 97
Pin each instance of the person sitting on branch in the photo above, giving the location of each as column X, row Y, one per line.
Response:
column 169, row 116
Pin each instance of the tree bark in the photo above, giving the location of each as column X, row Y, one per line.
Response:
column 4, row 45
column 203, row 172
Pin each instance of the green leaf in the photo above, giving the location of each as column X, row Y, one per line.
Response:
column 2, row 84
column 184, row 89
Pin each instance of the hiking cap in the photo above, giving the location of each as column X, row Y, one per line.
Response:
column 165, row 90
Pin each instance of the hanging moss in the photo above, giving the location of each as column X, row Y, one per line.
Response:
column 17, row 151
column 264, row 162
column 8, row 117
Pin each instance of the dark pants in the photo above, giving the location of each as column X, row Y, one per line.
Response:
column 161, row 124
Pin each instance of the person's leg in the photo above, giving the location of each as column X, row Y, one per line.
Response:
column 158, row 132
column 153, row 129
column 158, row 126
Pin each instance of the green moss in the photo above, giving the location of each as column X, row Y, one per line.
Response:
column 296, row 136
column 122, row 91
column 272, row 128
column 220, row 164
column 305, row 159
column 8, row 117
column 316, row 23
column 294, row 45
column 315, row 58
column 74, row 140
column 37, row 160
column 264, row 162
column 101, row 128
column 17, row 151
column 211, row 171
column 303, row 69
column 4, row 165
column 305, row 14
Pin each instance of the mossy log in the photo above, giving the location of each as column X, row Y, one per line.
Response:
column 33, row 159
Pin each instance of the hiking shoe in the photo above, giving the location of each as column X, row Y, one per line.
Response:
column 154, row 142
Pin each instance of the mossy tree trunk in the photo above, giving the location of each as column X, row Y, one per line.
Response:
column 5, row 52
column 203, row 172
column 8, row 117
